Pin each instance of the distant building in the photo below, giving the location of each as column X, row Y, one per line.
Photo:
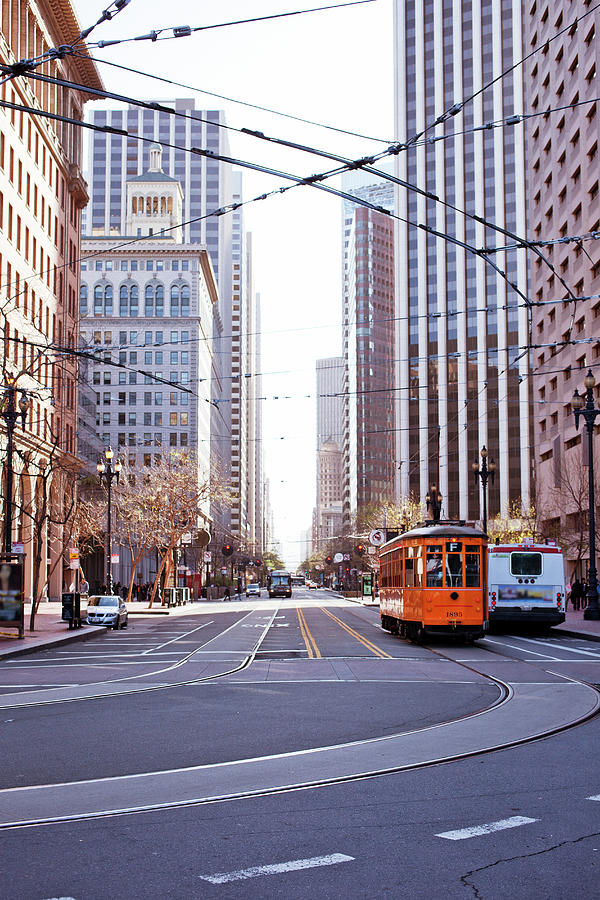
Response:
column 147, row 311
column 369, row 398
column 328, row 517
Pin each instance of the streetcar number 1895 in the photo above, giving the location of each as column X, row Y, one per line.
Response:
column 454, row 615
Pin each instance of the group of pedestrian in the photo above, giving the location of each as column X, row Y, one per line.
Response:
column 140, row 592
column 578, row 594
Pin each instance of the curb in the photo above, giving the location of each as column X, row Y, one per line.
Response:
column 53, row 642
column 582, row 635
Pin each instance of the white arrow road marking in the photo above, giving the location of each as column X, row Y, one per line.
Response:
column 476, row 830
column 597, row 797
column 294, row 866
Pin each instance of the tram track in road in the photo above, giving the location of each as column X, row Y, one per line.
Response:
column 470, row 735
column 246, row 661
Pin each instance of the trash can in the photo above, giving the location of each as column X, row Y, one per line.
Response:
column 71, row 609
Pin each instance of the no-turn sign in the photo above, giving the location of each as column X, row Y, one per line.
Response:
column 377, row 537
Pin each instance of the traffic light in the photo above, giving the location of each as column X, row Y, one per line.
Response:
column 258, row 562
column 227, row 549
column 329, row 560
column 360, row 549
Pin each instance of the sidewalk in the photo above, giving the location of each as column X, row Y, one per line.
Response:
column 576, row 626
column 50, row 631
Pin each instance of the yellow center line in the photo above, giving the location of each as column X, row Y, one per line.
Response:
column 363, row 640
column 311, row 645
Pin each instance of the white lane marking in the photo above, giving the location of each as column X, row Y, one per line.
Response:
column 294, row 865
column 523, row 649
column 597, row 797
column 464, row 833
column 185, row 634
column 560, row 647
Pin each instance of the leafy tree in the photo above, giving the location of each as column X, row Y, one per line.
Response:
column 519, row 523
column 272, row 560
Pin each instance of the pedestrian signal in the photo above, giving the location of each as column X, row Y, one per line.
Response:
column 227, row 549
column 360, row 549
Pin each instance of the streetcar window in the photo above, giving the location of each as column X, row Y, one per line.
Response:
column 454, row 570
column 409, row 570
column 435, row 568
column 526, row 564
column 419, row 567
column 472, row 567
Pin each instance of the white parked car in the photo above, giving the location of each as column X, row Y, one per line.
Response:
column 253, row 590
column 107, row 609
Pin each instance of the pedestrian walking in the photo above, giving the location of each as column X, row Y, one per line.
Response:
column 584, row 593
column 576, row 594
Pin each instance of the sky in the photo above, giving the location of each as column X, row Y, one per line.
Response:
column 334, row 67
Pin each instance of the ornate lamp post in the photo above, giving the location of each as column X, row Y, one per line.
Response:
column 585, row 406
column 486, row 473
column 10, row 410
column 108, row 471
column 434, row 502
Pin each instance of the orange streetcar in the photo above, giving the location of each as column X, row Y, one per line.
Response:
column 432, row 581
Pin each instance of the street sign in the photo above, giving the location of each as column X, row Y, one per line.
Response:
column 207, row 556
column 377, row 537
column 18, row 547
column 346, row 557
column 73, row 558
column 114, row 558
column 223, row 570
column 371, row 550
column 338, row 557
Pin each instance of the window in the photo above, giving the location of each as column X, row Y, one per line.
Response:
column 526, row 564
column 173, row 439
column 173, row 418
column 83, row 300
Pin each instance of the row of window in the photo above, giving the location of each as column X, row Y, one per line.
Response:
column 133, row 359
column 134, row 265
column 150, row 338
column 183, row 442
column 132, row 419
column 154, row 300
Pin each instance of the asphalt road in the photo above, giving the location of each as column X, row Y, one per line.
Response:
column 516, row 823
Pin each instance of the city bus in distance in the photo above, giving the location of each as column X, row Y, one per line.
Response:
column 432, row 582
column 526, row 584
column 280, row 584
column 298, row 580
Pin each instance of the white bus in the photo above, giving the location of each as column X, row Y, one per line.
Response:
column 280, row 584
column 526, row 584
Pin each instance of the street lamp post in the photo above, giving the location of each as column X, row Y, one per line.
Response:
column 585, row 406
column 108, row 471
column 10, row 410
column 434, row 502
column 486, row 473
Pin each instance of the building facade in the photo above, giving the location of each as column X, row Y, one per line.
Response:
column 563, row 201
column 462, row 329
column 42, row 194
column 369, row 408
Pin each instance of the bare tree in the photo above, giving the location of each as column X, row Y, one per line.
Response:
column 566, row 508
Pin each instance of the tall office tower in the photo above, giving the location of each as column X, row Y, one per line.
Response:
column 206, row 185
column 328, row 519
column 259, row 469
column 327, row 512
column 563, row 200
column 244, row 363
column 462, row 329
column 147, row 308
column 367, row 279
column 42, row 194
column 330, row 400
column 368, row 447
